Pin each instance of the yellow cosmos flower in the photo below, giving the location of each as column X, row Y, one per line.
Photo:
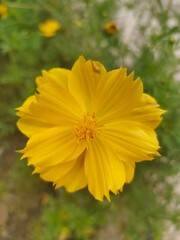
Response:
column 3, row 11
column 49, row 28
column 88, row 127
column 110, row 28
column 79, row 23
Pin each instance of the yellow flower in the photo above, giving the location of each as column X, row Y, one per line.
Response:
column 110, row 28
column 79, row 23
column 88, row 127
column 49, row 28
column 64, row 235
column 3, row 11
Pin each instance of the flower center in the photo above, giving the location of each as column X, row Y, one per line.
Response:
column 86, row 128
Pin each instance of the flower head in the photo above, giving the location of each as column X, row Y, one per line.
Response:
column 89, row 127
column 3, row 11
column 78, row 23
column 49, row 28
column 110, row 28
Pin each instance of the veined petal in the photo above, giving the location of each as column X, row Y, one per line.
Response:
column 104, row 171
column 51, row 107
column 83, row 80
column 52, row 146
column 29, row 124
column 75, row 179
column 147, row 112
column 129, row 169
column 116, row 94
column 57, row 76
column 60, row 75
column 55, row 172
column 25, row 107
column 134, row 141
column 58, row 96
column 56, row 107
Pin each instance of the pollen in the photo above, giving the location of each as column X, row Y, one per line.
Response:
column 87, row 128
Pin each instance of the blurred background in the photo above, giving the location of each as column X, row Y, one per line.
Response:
column 141, row 35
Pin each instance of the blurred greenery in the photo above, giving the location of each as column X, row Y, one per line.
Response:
column 150, row 201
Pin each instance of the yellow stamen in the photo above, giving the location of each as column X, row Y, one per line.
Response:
column 87, row 128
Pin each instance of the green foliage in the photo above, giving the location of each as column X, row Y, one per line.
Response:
column 71, row 217
column 141, row 210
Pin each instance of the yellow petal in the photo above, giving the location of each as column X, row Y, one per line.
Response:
column 55, row 172
column 57, row 76
column 147, row 112
column 25, row 107
column 53, row 106
column 56, row 105
column 52, row 146
column 29, row 124
column 83, row 80
column 104, row 171
column 54, row 94
column 116, row 94
column 133, row 141
column 129, row 169
column 75, row 178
